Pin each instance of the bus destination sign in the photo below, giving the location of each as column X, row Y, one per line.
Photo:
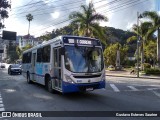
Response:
column 79, row 41
column 82, row 41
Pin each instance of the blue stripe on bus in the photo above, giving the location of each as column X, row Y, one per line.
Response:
column 39, row 75
column 35, row 74
column 69, row 87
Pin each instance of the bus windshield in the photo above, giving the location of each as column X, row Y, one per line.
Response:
column 83, row 59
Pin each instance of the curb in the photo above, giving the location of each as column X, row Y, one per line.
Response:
column 134, row 77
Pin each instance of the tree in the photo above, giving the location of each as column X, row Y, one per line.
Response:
column 110, row 53
column 27, row 47
column 132, row 39
column 143, row 32
column 155, row 18
column 29, row 18
column 87, row 22
column 4, row 5
column 19, row 52
column 150, row 52
column 11, row 52
column 47, row 36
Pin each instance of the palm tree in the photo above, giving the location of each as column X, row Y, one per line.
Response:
column 143, row 32
column 155, row 18
column 29, row 18
column 87, row 21
column 4, row 14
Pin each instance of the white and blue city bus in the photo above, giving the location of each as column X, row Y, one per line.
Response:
column 66, row 64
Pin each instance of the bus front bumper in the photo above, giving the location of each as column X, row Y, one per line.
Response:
column 69, row 87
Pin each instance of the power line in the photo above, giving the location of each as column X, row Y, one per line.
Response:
column 69, row 8
column 112, row 9
column 22, row 10
column 54, row 6
column 107, row 11
column 130, row 3
column 54, row 24
column 37, row 9
column 27, row 5
column 130, row 6
column 109, row 3
column 66, row 20
column 74, row 8
column 124, row 3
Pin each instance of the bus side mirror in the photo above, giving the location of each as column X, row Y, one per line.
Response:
column 62, row 51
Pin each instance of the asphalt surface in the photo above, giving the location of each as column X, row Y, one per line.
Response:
column 121, row 94
column 128, row 74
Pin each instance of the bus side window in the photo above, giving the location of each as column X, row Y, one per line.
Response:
column 46, row 53
column 26, row 58
column 39, row 55
column 59, row 57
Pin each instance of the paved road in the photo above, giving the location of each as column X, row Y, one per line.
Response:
column 121, row 94
column 127, row 74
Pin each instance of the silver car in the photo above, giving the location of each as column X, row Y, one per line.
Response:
column 14, row 69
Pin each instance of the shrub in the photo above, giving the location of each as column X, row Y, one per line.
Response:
column 152, row 71
column 129, row 63
column 147, row 65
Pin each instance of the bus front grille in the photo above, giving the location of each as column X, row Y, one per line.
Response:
column 87, row 76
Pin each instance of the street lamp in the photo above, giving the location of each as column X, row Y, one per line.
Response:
column 138, row 42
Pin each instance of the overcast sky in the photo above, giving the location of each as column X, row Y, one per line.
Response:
column 52, row 14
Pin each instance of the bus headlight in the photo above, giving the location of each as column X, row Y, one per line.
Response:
column 69, row 79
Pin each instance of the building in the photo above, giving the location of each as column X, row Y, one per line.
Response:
column 28, row 39
column 4, row 55
column 1, row 54
column 3, row 46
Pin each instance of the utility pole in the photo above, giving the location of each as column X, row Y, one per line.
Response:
column 138, row 45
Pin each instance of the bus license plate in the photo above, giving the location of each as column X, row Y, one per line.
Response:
column 89, row 89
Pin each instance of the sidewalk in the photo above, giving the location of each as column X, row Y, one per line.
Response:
column 127, row 74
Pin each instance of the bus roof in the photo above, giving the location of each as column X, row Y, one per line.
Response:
column 56, row 39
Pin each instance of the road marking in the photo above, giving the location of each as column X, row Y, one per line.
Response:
column 156, row 93
column 114, row 88
column 133, row 88
column 2, row 109
column 153, row 88
column 1, row 105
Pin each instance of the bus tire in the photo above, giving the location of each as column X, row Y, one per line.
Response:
column 49, row 84
column 28, row 79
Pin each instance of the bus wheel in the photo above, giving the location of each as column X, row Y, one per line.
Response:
column 28, row 79
column 49, row 85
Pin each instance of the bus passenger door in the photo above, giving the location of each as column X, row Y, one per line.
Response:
column 57, row 83
column 33, row 65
